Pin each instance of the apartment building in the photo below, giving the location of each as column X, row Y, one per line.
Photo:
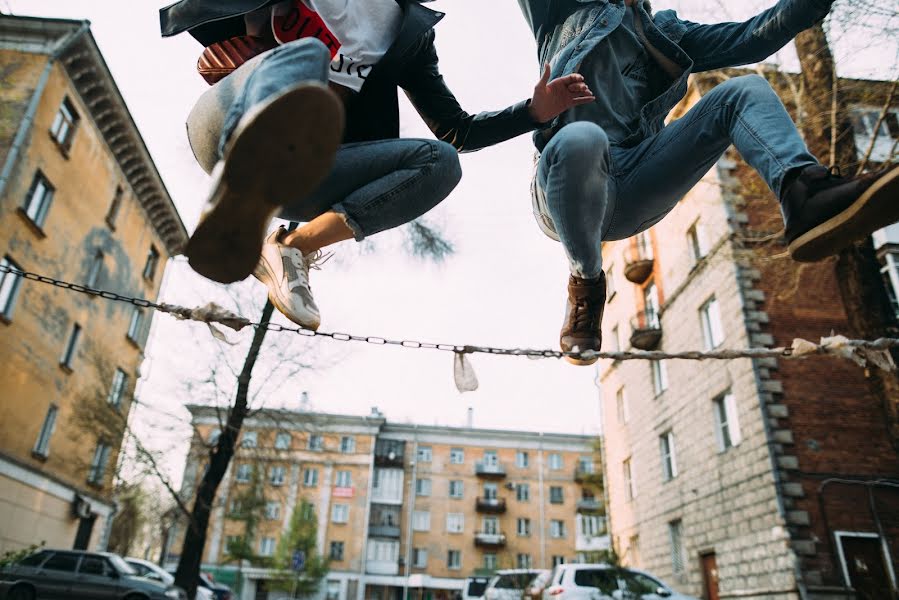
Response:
column 747, row 478
column 406, row 509
column 80, row 200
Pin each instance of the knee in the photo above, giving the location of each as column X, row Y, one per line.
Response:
column 745, row 87
column 446, row 163
column 582, row 141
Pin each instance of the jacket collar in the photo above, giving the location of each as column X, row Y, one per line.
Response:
column 417, row 20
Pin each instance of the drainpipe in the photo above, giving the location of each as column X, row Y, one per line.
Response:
column 408, row 565
column 542, row 505
column 25, row 126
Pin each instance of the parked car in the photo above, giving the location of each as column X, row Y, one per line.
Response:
column 77, row 575
column 474, row 588
column 535, row 588
column 512, row 584
column 606, row 582
column 219, row 590
column 154, row 572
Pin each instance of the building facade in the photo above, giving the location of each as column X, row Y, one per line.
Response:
column 405, row 509
column 80, row 200
column 745, row 478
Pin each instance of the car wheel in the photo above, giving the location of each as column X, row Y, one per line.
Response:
column 21, row 592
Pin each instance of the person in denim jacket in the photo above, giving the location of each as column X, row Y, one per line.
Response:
column 612, row 168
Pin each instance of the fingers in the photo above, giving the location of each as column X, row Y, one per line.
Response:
column 582, row 100
column 576, row 88
column 545, row 77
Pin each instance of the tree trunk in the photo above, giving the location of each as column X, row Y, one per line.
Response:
column 195, row 536
column 828, row 132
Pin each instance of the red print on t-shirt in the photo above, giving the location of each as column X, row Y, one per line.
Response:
column 300, row 22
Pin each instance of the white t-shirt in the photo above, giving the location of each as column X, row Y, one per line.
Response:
column 358, row 32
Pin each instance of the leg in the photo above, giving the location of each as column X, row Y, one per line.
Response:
column 374, row 186
column 573, row 175
column 276, row 142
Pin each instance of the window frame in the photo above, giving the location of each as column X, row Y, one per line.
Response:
column 344, row 479
column 709, row 324
column 249, row 439
column 112, row 213
column 152, row 263
column 314, row 477
column 71, row 348
column 456, row 488
column 676, row 542
column 136, row 326
column 659, row 377
column 668, row 452
column 727, row 421
column 630, row 488
column 117, row 389
column 423, row 487
column 282, row 471
column 99, row 463
column 556, row 498
column 243, row 473
column 457, row 456
column 42, row 444
column 64, row 142
column 10, row 285
column 453, row 565
column 424, row 454
column 315, row 443
column 421, row 520
column 336, row 556
column 279, row 440
column 37, row 216
column 348, row 444
column 453, row 518
column 340, row 513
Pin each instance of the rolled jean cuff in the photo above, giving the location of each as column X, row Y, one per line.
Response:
column 349, row 221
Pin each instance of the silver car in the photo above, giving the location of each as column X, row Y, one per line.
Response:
column 512, row 584
column 606, row 582
column 76, row 575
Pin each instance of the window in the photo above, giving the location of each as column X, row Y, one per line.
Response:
column 9, row 287
column 629, row 490
column 383, row 551
column 557, row 528
column 669, row 461
column 522, row 492
column 659, row 376
column 591, row 526
column 340, row 513
column 424, row 454
column 420, row 558
column 71, row 346
column 344, row 479
column 524, row 527
column 651, row 306
column 214, row 436
column 490, row 526
column 387, row 485
column 310, row 477
column 244, row 472
column 490, row 458
column 250, row 439
column 585, row 465
column 136, row 325
column 611, row 290
column 455, row 522
column 457, row 456
column 282, row 441
column 490, row 561
column 555, row 495
column 93, row 274
column 490, row 491
column 42, row 446
column 615, row 340
column 644, row 245
column 348, row 444
column 455, row 488
column 276, row 476
column 98, row 464
column 712, row 330
column 273, row 510
column 521, row 459
column 621, row 405
column 677, row 547
column 267, row 546
column 558, row 560
column 523, row 561
column 117, row 390
column 315, row 442
column 62, row 561
column 151, row 264
column 421, row 520
column 422, row 487
column 38, row 200
column 307, row 510
column 336, row 552
column 555, row 461
column 63, row 128
column 94, row 565
column 865, row 123
column 727, row 425
column 696, row 244
column 113, row 213
column 453, row 559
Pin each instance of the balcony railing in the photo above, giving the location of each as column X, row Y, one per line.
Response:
column 389, row 453
column 582, row 473
column 489, row 469
column 647, row 330
column 382, row 567
column 491, row 505
column 589, row 505
column 384, row 531
column 489, row 540
column 638, row 263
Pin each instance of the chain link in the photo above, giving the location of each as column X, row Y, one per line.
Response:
column 882, row 344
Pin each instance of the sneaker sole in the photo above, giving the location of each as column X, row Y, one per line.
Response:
column 580, row 362
column 875, row 209
column 281, row 152
column 264, row 274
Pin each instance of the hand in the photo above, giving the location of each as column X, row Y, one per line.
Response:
column 552, row 98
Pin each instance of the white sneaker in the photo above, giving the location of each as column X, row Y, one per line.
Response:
column 285, row 271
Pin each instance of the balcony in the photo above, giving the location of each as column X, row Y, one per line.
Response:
column 647, row 331
column 584, row 474
column 389, row 453
column 489, row 470
column 489, row 540
column 638, row 263
column 589, row 506
column 382, row 567
column 493, row 506
column 384, row 531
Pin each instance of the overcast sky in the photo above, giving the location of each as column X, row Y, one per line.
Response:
column 504, row 286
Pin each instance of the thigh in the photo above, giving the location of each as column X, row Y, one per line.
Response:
column 652, row 177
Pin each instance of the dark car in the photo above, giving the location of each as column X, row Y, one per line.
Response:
column 76, row 575
column 221, row 591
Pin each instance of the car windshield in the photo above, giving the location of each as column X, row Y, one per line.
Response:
column 476, row 587
column 639, row 583
column 34, row 559
column 120, row 565
column 601, row 579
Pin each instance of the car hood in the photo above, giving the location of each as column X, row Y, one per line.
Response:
column 145, row 584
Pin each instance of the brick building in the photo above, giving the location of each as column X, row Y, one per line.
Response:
column 405, row 507
column 746, row 478
column 81, row 200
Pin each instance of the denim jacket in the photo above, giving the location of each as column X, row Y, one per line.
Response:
column 568, row 30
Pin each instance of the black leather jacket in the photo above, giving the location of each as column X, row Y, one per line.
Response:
column 410, row 63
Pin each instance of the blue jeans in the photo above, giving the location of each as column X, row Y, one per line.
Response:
column 374, row 185
column 595, row 191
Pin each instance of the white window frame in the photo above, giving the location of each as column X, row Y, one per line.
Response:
column 453, row 559
column 283, row 440
column 152, row 263
column 490, row 525
column 336, row 544
column 490, row 561
column 630, row 488
column 9, row 288
column 250, row 439
column 669, row 455
column 457, row 456
column 419, row 558
column 117, row 389
column 267, row 546
column 621, row 406
column 42, row 445
column 423, row 486
column 712, row 327
column 280, row 472
column 243, row 473
column 344, row 479
column 696, row 244
column 556, row 463
column 884, row 548
column 62, row 130
column 421, row 520
column 315, row 443
column 93, row 274
column 522, row 459
column 727, row 420
column 39, row 199
column 456, row 488
column 455, row 522
column 523, row 561
column 424, row 454
column 523, row 492
column 676, row 543
column 272, row 510
column 310, row 477
column 659, row 376
column 340, row 513
column 523, row 527
column 99, row 463
column 135, row 325
column 348, row 444
column 71, row 349
column 561, row 494
column 557, row 529
column 558, row 560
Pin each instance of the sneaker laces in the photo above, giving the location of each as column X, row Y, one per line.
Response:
column 582, row 317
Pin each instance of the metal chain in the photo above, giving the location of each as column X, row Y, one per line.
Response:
column 237, row 323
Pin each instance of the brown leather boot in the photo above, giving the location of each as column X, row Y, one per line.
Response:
column 583, row 316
